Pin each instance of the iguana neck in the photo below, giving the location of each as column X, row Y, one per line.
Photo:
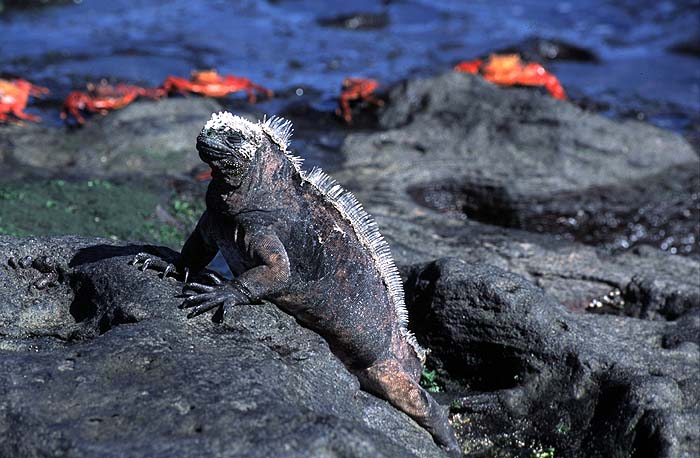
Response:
column 253, row 192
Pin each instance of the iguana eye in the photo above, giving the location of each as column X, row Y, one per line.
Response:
column 234, row 138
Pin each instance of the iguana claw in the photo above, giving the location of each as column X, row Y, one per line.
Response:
column 196, row 288
column 169, row 268
column 157, row 264
column 214, row 278
column 205, row 297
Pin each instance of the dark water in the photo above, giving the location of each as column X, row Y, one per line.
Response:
column 287, row 45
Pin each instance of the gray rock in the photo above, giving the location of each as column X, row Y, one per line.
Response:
column 525, row 158
column 584, row 385
column 653, row 284
column 104, row 363
column 101, row 362
column 153, row 137
column 516, row 158
column 537, row 375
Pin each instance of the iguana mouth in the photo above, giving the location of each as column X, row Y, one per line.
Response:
column 207, row 153
column 210, row 150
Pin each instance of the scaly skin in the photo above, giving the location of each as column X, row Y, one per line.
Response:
column 287, row 242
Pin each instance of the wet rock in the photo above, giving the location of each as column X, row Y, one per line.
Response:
column 356, row 21
column 652, row 284
column 105, row 364
column 147, row 136
column 546, row 378
column 540, row 49
column 665, row 213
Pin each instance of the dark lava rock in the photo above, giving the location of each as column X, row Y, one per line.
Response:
column 549, row 49
column 518, row 158
column 665, row 213
column 515, row 158
column 99, row 361
column 356, row 21
column 545, row 379
column 154, row 137
column 652, row 284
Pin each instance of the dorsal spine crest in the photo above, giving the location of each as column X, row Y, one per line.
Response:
column 368, row 233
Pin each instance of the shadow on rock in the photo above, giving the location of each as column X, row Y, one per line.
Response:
column 101, row 252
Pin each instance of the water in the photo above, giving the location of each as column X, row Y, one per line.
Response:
column 282, row 45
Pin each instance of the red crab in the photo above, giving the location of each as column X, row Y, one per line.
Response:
column 356, row 89
column 210, row 83
column 508, row 70
column 203, row 176
column 14, row 96
column 104, row 97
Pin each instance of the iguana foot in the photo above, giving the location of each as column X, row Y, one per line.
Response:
column 148, row 261
column 52, row 270
column 202, row 298
column 23, row 262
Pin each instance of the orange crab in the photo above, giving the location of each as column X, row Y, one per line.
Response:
column 356, row 89
column 104, row 97
column 14, row 96
column 210, row 83
column 508, row 70
column 203, row 176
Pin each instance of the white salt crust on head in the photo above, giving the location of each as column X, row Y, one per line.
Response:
column 278, row 129
column 224, row 121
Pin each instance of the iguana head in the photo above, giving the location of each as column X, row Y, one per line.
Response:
column 229, row 143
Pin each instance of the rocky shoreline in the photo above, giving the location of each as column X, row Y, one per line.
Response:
column 511, row 215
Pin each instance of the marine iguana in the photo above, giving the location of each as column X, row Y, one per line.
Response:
column 302, row 242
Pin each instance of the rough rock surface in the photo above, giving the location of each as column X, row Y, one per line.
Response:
column 520, row 154
column 514, row 158
column 653, row 284
column 580, row 384
column 105, row 364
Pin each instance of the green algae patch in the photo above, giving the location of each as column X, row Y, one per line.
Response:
column 95, row 208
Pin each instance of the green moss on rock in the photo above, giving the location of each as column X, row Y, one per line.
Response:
column 96, row 208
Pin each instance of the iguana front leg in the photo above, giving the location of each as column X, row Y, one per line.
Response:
column 195, row 255
column 269, row 275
